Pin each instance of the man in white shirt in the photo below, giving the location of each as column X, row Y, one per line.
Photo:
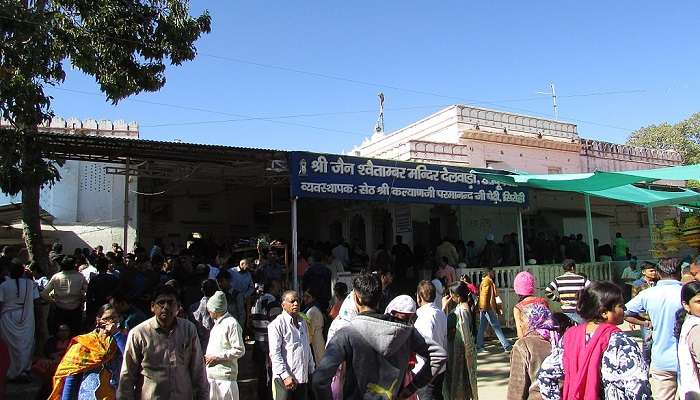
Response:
column 290, row 351
column 447, row 249
column 224, row 349
column 431, row 323
column 341, row 253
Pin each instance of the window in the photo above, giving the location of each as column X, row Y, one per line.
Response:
column 554, row 170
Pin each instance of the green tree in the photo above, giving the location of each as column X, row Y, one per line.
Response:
column 683, row 137
column 124, row 45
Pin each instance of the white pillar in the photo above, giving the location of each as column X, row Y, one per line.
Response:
column 295, row 245
column 589, row 228
column 521, row 239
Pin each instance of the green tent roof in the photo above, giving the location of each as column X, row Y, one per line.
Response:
column 647, row 197
column 596, row 181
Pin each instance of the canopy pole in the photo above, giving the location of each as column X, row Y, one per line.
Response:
column 295, row 246
column 125, row 241
column 589, row 228
column 650, row 220
column 521, row 239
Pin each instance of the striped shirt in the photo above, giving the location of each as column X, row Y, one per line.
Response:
column 264, row 311
column 565, row 288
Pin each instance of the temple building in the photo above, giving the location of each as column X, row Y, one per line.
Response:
column 474, row 137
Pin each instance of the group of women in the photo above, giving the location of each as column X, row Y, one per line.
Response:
column 553, row 359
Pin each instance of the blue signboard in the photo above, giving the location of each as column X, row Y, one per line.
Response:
column 331, row 176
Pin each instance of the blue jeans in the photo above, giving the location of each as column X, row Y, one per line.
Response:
column 492, row 319
column 574, row 317
column 646, row 344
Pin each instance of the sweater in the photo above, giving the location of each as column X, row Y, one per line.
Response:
column 376, row 351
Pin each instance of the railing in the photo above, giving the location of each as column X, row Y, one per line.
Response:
column 544, row 274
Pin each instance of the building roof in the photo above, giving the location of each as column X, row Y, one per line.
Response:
column 118, row 149
column 11, row 214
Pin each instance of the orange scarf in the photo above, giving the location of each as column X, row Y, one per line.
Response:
column 86, row 352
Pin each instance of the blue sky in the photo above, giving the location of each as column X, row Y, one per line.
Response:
column 423, row 55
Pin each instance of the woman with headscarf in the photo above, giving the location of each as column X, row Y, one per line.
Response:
column 529, row 352
column 460, row 378
column 90, row 367
column 402, row 309
column 17, row 295
column 524, row 286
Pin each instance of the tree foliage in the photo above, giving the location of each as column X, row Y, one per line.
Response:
column 124, row 45
column 683, row 137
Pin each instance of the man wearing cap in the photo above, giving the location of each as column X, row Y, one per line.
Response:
column 224, row 349
column 661, row 302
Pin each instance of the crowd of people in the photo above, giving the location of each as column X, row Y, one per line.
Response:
column 152, row 324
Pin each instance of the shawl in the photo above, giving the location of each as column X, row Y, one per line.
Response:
column 460, row 378
column 538, row 316
column 582, row 361
column 348, row 311
column 689, row 383
column 84, row 353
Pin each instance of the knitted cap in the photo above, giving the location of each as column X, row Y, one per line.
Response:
column 524, row 284
column 217, row 303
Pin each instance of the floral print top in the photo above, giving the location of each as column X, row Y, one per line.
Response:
column 624, row 374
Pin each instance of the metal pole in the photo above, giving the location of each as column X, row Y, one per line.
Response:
column 295, row 245
column 650, row 219
column 589, row 228
column 521, row 238
column 126, row 206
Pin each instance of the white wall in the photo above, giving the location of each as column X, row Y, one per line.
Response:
column 601, row 228
column 87, row 205
column 476, row 222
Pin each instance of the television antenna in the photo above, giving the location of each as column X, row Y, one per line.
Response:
column 552, row 93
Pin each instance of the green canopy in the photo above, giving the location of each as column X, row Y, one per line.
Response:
column 647, row 197
column 595, row 181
